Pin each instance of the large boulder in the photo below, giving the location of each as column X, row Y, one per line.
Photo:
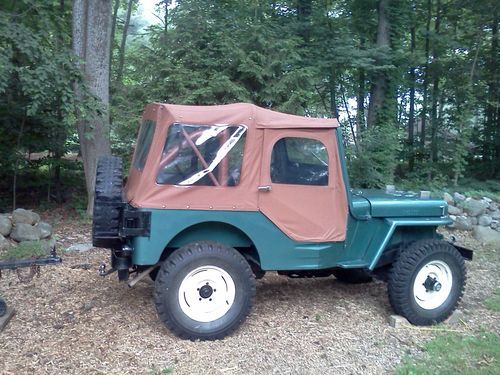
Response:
column 23, row 216
column 496, row 215
column 473, row 207
column 458, row 197
column 5, row 225
column 487, row 235
column 448, row 198
column 452, row 210
column 45, row 229
column 25, row 232
column 462, row 223
column 484, row 220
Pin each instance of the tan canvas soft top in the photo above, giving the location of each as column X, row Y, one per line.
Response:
column 240, row 113
column 263, row 125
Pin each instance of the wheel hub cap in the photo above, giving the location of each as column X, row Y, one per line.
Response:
column 432, row 285
column 206, row 293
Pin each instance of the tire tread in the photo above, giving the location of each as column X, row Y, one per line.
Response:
column 202, row 248
column 401, row 274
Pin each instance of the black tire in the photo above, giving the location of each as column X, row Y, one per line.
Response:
column 352, row 276
column 3, row 307
column 154, row 273
column 107, row 202
column 180, row 298
column 442, row 267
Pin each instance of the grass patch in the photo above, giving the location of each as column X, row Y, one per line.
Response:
column 457, row 354
column 486, row 253
column 493, row 302
column 26, row 250
column 163, row 371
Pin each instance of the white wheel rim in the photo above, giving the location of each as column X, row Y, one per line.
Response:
column 432, row 285
column 206, row 293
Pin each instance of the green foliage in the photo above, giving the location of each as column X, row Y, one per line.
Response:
column 37, row 107
column 493, row 302
column 307, row 57
column 27, row 250
column 374, row 165
column 163, row 371
column 457, row 354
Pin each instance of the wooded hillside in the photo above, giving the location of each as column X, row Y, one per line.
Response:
column 415, row 83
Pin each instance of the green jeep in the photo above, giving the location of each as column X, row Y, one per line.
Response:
column 218, row 195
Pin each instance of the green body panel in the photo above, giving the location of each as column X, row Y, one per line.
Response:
column 365, row 242
column 402, row 204
column 174, row 228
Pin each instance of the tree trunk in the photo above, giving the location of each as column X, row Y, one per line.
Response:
column 426, row 78
column 121, row 59
column 349, row 119
column 491, row 143
column 91, row 41
column 360, row 110
column 113, row 31
column 435, row 87
column 360, row 101
column 411, row 116
column 333, row 97
column 166, row 4
column 380, row 83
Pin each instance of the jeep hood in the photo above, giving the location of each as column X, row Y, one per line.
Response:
column 402, row 204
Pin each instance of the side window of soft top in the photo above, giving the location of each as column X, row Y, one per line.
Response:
column 143, row 144
column 207, row 155
column 299, row 161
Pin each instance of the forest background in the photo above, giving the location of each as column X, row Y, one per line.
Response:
column 414, row 83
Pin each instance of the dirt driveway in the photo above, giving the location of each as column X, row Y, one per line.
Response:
column 70, row 320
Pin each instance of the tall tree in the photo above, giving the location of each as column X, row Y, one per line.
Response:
column 435, row 85
column 423, row 131
column 113, row 28
column 380, row 82
column 491, row 146
column 411, row 115
column 91, row 44
column 121, row 57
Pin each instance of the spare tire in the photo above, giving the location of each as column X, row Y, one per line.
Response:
column 107, row 203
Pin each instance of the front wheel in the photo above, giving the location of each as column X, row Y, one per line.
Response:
column 204, row 291
column 427, row 282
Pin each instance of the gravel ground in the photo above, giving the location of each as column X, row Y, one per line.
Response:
column 70, row 320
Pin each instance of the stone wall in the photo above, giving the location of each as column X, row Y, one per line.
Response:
column 480, row 216
column 22, row 226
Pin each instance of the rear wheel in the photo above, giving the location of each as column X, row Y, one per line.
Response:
column 204, row 291
column 352, row 276
column 427, row 282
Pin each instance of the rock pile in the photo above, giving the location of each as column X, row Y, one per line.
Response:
column 481, row 216
column 22, row 226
